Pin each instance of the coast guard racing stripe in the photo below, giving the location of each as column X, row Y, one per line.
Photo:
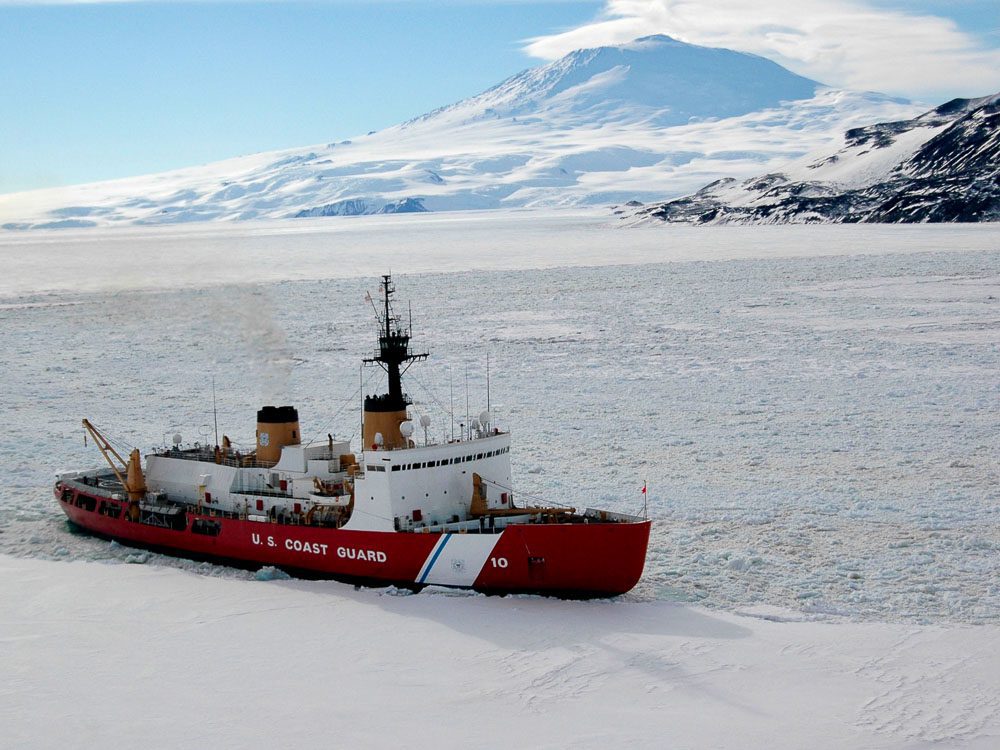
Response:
column 457, row 559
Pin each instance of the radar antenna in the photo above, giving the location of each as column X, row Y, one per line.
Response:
column 393, row 355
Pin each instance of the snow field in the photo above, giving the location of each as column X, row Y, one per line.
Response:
column 123, row 656
column 813, row 408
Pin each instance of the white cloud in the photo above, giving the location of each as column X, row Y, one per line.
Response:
column 840, row 42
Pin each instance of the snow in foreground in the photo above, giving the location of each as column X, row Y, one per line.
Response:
column 121, row 656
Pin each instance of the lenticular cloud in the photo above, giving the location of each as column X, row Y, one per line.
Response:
column 842, row 43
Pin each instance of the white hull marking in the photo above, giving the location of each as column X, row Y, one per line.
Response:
column 457, row 559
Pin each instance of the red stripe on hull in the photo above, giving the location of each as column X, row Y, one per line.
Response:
column 596, row 559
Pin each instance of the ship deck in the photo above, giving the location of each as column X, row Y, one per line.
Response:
column 104, row 484
column 236, row 459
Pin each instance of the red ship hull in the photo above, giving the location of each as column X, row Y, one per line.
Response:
column 568, row 559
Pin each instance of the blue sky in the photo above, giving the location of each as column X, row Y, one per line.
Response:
column 92, row 91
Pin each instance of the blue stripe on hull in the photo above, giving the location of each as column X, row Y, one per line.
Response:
column 434, row 557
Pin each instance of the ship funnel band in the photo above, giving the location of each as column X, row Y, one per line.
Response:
column 386, row 402
column 277, row 415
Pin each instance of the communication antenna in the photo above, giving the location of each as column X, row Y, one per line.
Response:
column 451, row 388
column 487, row 381
column 215, row 412
column 368, row 298
column 467, row 420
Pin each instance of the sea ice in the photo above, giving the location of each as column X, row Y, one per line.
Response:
column 814, row 409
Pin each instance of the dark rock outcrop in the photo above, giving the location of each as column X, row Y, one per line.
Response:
column 953, row 175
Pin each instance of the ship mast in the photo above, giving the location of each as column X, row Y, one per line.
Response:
column 383, row 413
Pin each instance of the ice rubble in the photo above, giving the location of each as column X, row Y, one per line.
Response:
column 818, row 432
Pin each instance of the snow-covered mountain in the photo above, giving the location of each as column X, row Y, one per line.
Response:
column 942, row 166
column 641, row 121
column 655, row 79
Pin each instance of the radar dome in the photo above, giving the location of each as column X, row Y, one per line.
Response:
column 406, row 429
column 425, row 420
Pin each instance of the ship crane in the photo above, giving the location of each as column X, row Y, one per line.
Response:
column 132, row 480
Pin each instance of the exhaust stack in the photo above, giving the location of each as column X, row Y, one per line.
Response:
column 277, row 426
